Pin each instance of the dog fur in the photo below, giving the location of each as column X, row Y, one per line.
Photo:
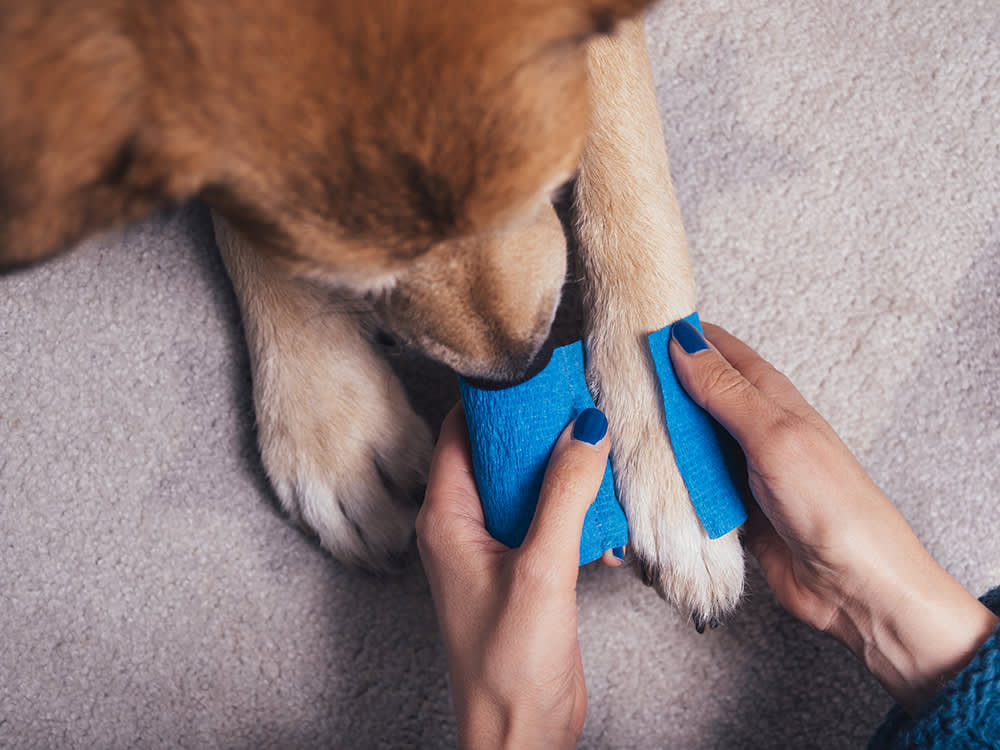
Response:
column 379, row 167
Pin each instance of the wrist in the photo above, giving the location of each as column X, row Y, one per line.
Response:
column 914, row 634
column 488, row 723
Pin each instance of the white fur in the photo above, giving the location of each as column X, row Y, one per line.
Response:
column 341, row 445
column 638, row 278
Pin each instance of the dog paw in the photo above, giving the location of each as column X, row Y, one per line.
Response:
column 347, row 457
column 345, row 452
column 668, row 545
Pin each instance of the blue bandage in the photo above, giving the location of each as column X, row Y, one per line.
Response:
column 706, row 455
column 513, row 432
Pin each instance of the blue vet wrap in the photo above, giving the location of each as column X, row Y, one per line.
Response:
column 706, row 455
column 513, row 432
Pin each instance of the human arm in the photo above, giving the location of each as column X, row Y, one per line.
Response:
column 836, row 552
column 508, row 616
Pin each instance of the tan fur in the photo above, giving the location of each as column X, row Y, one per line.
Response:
column 637, row 279
column 339, row 441
column 377, row 165
column 344, row 136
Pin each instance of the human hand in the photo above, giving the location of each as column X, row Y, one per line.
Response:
column 508, row 616
column 833, row 548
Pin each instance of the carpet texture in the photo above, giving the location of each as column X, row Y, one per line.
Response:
column 838, row 165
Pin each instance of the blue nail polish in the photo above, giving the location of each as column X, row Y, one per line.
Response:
column 619, row 552
column 591, row 426
column 688, row 337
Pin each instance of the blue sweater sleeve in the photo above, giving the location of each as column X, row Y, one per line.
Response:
column 965, row 714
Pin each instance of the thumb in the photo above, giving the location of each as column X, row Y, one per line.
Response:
column 718, row 387
column 571, row 482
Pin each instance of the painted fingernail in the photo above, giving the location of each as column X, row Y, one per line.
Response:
column 619, row 552
column 688, row 337
column 591, row 426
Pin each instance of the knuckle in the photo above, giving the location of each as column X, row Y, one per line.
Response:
column 763, row 374
column 722, row 382
column 779, row 378
column 787, row 436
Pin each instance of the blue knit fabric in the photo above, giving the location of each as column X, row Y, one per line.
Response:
column 965, row 714
column 708, row 458
column 513, row 431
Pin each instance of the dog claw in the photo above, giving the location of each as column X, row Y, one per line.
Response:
column 647, row 572
column 700, row 623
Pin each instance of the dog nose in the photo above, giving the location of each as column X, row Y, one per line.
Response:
column 521, row 372
column 387, row 341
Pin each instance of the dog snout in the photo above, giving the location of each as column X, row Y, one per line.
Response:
column 476, row 342
column 483, row 306
column 517, row 372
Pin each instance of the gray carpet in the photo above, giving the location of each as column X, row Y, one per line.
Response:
column 837, row 164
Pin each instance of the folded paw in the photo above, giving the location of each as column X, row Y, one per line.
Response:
column 346, row 455
column 344, row 450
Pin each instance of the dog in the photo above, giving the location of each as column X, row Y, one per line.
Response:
column 380, row 171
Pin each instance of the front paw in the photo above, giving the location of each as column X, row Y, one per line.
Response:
column 667, row 543
column 339, row 441
column 347, row 456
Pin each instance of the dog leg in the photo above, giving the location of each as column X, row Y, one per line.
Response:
column 340, row 443
column 637, row 279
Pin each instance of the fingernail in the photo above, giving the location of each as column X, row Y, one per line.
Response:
column 591, row 426
column 619, row 552
column 688, row 337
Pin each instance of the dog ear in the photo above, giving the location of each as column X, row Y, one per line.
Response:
column 78, row 151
